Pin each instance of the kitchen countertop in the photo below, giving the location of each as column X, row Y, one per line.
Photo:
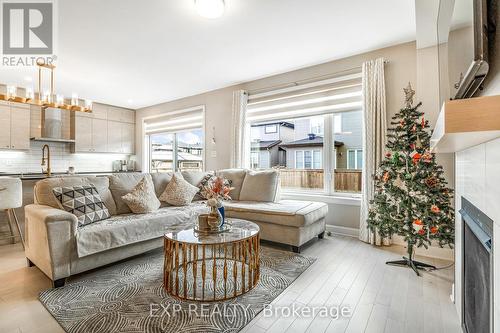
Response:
column 37, row 176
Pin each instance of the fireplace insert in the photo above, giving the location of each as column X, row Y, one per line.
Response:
column 477, row 270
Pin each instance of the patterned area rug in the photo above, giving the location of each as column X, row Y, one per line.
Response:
column 129, row 297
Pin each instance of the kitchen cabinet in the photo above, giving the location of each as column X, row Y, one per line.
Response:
column 121, row 137
column 14, row 126
column 108, row 129
column 91, row 135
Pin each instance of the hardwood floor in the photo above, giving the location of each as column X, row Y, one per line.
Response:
column 347, row 273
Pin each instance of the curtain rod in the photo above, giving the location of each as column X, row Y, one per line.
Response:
column 296, row 83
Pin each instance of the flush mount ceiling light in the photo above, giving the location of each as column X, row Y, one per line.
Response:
column 210, row 8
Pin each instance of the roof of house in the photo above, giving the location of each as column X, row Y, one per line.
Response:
column 313, row 141
column 281, row 123
column 263, row 145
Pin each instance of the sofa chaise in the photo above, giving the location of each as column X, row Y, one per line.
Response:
column 60, row 248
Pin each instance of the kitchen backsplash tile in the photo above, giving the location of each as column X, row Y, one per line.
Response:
column 61, row 159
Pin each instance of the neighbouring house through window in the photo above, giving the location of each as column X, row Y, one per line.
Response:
column 354, row 158
column 310, row 134
column 176, row 141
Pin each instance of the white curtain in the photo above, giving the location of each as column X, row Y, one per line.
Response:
column 374, row 139
column 239, row 129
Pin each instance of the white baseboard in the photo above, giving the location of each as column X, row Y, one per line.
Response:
column 343, row 231
column 432, row 251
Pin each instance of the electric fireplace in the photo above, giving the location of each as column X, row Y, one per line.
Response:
column 477, row 291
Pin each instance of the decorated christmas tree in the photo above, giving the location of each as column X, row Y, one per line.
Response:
column 411, row 197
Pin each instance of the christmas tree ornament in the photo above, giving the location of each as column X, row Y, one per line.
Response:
column 418, row 143
column 388, row 154
column 423, row 212
column 435, row 209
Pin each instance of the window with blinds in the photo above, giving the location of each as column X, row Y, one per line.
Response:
column 176, row 140
column 316, row 125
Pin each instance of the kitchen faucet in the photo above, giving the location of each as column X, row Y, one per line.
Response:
column 47, row 171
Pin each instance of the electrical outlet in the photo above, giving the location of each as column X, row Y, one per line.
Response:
column 213, row 153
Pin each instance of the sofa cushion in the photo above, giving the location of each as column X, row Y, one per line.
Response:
column 121, row 184
column 285, row 212
column 236, row 177
column 195, row 178
column 44, row 195
column 161, row 180
column 126, row 229
column 179, row 192
column 260, row 186
column 142, row 199
column 83, row 201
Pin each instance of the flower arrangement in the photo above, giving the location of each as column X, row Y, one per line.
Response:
column 216, row 190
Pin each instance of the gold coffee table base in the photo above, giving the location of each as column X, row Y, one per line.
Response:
column 211, row 272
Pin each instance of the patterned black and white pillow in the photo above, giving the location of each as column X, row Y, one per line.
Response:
column 83, row 201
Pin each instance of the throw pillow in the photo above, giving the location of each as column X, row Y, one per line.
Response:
column 261, row 186
column 83, row 201
column 179, row 192
column 142, row 199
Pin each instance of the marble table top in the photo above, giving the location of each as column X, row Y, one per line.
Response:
column 241, row 229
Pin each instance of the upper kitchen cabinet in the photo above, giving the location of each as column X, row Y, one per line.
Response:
column 108, row 129
column 121, row 114
column 14, row 126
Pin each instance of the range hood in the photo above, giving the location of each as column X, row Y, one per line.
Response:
column 54, row 126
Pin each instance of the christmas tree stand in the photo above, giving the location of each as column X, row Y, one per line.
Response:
column 408, row 261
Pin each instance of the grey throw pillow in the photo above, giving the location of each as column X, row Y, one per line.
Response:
column 83, row 201
column 179, row 192
column 142, row 199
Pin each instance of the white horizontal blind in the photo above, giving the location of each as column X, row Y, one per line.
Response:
column 176, row 121
column 341, row 93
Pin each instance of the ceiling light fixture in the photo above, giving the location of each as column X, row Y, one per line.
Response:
column 210, row 8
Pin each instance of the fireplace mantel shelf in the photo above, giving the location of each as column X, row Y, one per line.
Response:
column 466, row 123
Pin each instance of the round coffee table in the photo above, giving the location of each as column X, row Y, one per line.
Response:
column 212, row 267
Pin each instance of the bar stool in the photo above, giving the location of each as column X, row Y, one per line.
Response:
column 11, row 197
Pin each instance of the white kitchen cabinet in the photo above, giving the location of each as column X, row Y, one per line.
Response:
column 121, row 137
column 14, row 126
column 108, row 129
column 128, row 138
column 83, row 134
column 121, row 114
column 114, row 136
column 20, row 126
column 4, row 126
column 99, row 135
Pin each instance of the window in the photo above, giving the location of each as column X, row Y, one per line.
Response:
column 317, row 125
column 337, row 123
column 254, row 160
column 187, row 145
column 323, row 124
column 355, row 159
column 271, row 129
column 176, row 141
column 317, row 157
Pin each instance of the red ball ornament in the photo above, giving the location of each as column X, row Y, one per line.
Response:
column 421, row 232
column 416, row 158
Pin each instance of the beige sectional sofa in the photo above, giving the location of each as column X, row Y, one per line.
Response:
column 58, row 247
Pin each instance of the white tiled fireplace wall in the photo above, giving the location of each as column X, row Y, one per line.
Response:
column 61, row 159
column 478, row 180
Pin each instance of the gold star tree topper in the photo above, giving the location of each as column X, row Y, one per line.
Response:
column 409, row 94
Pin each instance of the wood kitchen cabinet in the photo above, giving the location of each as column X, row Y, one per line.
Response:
column 121, row 137
column 108, row 129
column 14, row 126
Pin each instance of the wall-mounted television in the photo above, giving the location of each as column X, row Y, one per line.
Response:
column 471, row 34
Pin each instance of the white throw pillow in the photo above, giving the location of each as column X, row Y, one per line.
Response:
column 179, row 192
column 142, row 199
column 261, row 186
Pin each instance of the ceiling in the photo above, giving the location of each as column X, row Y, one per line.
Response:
column 138, row 53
